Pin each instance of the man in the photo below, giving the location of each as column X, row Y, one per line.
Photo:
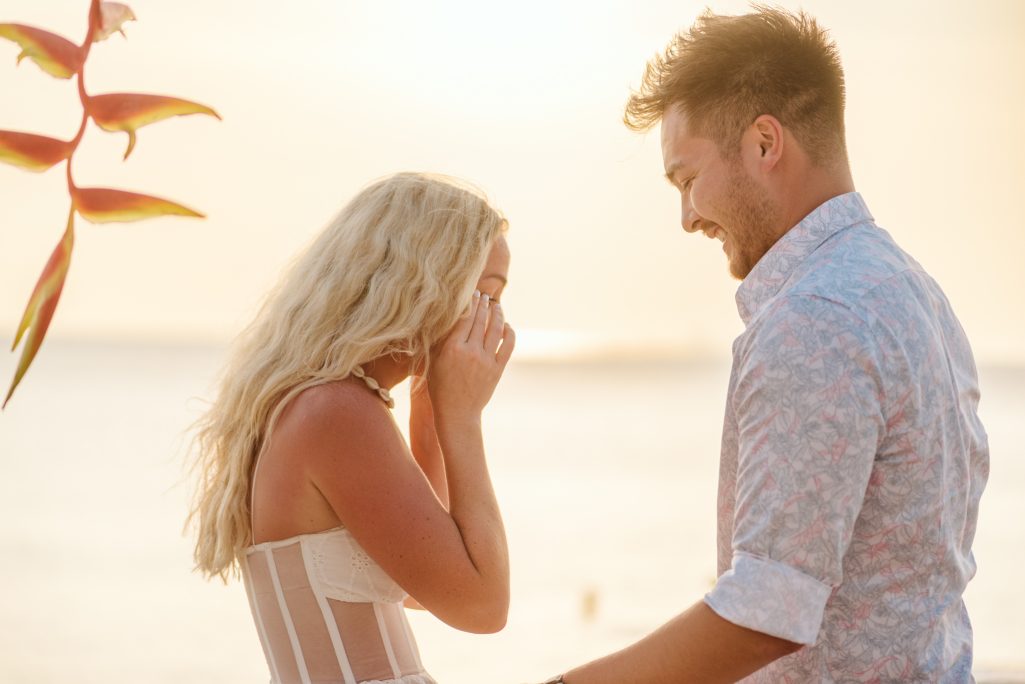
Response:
column 853, row 458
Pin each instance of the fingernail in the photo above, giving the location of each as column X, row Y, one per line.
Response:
column 476, row 293
column 487, row 299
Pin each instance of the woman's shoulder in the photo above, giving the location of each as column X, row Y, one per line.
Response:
column 331, row 401
column 332, row 414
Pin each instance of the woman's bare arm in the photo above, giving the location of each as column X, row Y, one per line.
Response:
column 454, row 562
column 423, row 438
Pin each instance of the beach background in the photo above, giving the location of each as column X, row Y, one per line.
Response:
column 603, row 438
column 605, row 471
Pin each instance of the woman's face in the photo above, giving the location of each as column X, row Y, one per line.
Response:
column 493, row 278
column 495, row 275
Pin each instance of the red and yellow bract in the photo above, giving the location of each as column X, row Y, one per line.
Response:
column 103, row 205
column 55, row 55
column 42, row 304
column 31, row 151
column 113, row 15
column 129, row 112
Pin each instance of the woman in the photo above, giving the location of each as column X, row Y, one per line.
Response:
column 307, row 487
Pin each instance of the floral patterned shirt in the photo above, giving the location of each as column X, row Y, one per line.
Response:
column 853, row 460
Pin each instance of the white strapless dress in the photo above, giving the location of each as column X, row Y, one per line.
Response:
column 327, row 614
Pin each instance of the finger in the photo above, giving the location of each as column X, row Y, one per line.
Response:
column 461, row 330
column 508, row 343
column 496, row 328
column 480, row 320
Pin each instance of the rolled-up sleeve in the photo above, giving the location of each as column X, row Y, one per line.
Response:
column 806, row 398
column 770, row 597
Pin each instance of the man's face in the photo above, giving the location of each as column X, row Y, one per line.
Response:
column 719, row 198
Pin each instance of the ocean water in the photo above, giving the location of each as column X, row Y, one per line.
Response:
column 606, row 473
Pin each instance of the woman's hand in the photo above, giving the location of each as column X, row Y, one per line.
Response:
column 471, row 360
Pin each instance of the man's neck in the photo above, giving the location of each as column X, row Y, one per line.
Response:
column 812, row 189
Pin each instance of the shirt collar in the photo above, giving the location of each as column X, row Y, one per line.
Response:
column 777, row 265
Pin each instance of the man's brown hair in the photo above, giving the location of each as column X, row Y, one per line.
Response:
column 724, row 72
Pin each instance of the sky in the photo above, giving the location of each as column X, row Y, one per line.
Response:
column 524, row 100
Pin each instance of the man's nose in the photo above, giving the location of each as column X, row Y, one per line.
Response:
column 691, row 219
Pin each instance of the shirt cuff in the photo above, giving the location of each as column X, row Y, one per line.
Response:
column 770, row 597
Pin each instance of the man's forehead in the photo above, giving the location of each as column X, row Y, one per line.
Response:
column 676, row 120
column 677, row 148
column 680, row 147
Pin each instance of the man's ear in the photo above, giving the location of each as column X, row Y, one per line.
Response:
column 765, row 136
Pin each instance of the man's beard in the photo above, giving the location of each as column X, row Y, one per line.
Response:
column 754, row 222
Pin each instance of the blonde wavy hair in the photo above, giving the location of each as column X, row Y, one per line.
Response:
column 391, row 274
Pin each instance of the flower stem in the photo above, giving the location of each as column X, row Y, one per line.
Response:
column 94, row 20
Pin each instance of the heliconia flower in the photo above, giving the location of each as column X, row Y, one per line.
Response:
column 128, row 112
column 55, row 55
column 31, row 151
column 61, row 58
column 103, row 205
column 113, row 15
column 42, row 304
